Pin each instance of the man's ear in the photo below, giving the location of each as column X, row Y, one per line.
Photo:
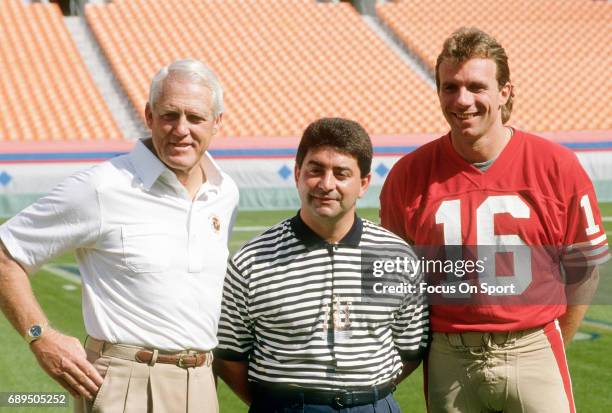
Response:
column 365, row 184
column 296, row 172
column 217, row 123
column 505, row 92
column 148, row 116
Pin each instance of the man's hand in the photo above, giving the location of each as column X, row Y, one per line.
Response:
column 65, row 360
column 579, row 291
column 408, row 367
column 235, row 375
column 62, row 357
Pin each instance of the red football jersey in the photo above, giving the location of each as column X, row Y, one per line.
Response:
column 535, row 197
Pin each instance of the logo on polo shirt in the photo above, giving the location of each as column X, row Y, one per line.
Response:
column 340, row 318
column 215, row 223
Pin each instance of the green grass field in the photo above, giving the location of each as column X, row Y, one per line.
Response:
column 591, row 368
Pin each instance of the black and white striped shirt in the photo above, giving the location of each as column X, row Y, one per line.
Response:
column 302, row 311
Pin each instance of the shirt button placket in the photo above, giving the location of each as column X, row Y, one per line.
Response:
column 193, row 250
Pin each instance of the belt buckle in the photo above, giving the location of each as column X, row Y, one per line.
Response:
column 339, row 401
column 180, row 362
column 343, row 399
column 502, row 338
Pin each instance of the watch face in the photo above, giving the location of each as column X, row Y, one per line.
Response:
column 35, row 331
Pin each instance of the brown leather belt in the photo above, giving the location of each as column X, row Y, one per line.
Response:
column 184, row 359
column 181, row 360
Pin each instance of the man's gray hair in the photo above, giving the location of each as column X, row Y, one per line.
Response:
column 189, row 67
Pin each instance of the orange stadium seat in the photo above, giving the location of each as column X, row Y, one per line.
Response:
column 47, row 92
column 282, row 63
column 560, row 52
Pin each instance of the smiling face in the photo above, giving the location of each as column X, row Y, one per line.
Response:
column 329, row 183
column 471, row 99
column 182, row 124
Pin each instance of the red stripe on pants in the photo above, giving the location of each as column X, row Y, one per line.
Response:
column 556, row 343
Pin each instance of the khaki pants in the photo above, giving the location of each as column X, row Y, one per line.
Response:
column 514, row 372
column 130, row 386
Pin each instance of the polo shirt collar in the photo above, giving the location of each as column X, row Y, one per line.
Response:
column 311, row 240
column 211, row 170
column 149, row 168
column 146, row 165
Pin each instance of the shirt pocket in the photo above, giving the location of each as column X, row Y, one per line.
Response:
column 145, row 247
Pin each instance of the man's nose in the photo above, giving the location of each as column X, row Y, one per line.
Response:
column 181, row 128
column 327, row 181
column 464, row 97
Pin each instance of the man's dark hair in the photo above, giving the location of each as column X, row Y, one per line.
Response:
column 344, row 135
column 469, row 43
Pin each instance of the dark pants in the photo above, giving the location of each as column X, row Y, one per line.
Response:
column 263, row 404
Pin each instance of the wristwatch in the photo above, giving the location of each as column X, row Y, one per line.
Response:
column 35, row 332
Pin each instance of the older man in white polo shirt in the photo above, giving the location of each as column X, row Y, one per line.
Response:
column 150, row 230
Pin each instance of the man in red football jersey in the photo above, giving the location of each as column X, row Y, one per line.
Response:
column 520, row 202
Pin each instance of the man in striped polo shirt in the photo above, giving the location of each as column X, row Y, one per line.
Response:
column 314, row 317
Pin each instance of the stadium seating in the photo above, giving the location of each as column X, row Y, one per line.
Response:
column 282, row 63
column 46, row 92
column 560, row 52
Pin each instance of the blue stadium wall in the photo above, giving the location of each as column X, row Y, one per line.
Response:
column 263, row 174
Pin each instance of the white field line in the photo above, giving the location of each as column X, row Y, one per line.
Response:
column 67, row 275
column 250, row 229
column 604, row 325
column 607, row 219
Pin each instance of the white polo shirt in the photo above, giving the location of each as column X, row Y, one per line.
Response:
column 152, row 259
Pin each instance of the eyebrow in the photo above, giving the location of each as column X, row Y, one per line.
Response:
column 470, row 84
column 335, row 168
column 478, row 84
column 188, row 111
